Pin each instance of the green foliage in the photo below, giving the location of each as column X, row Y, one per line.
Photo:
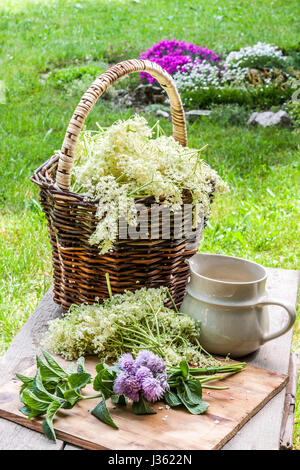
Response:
column 46, row 393
column 293, row 108
column 229, row 115
column 123, row 51
column 61, row 78
column 142, row 407
column 259, row 97
column 101, row 412
column 293, row 53
column 186, row 384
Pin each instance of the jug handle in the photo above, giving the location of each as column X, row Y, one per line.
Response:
column 289, row 323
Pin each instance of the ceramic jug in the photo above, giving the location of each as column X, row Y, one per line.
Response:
column 227, row 296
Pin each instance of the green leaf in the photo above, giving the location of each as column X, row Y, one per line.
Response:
column 80, row 365
column 61, row 389
column 48, row 423
column 30, row 413
column 54, row 365
column 101, row 412
column 184, row 367
column 32, row 401
column 119, row 400
column 113, row 370
column 171, row 398
column 24, row 379
column 142, row 407
column 47, row 373
column 39, row 387
column 104, row 382
column 193, row 391
column 197, row 409
column 79, row 380
column 71, row 396
column 100, row 366
column 71, row 368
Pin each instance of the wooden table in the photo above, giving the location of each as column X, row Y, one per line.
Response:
column 263, row 431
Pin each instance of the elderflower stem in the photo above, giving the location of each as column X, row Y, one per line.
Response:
column 174, row 305
column 108, row 285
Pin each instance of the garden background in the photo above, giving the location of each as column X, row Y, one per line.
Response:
column 256, row 220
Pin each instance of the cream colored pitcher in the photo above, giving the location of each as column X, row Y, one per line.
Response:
column 227, row 296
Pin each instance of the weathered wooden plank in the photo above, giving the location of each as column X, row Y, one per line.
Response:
column 287, row 425
column 20, row 355
column 70, row 447
column 263, row 430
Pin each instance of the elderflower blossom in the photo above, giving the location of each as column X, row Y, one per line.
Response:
column 113, row 166
column 121, row 324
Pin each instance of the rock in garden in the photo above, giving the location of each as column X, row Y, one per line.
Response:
column 196, row 113
column 162, row 113
column 147, row 94
column 268, row 118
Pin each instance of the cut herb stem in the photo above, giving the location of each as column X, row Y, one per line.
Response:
column 108, row 285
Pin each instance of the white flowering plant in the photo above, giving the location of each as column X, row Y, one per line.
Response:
column 126, row 323
column 114, row 166
column 258, row 75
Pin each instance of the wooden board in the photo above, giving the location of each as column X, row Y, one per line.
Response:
column 249, row 391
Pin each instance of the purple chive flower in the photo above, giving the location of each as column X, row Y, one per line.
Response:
column 150, row 360
column 127, row 363
column 126, row 384
column 144, row 376
column 152, row 389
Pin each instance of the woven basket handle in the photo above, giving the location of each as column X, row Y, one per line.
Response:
column 97, row 88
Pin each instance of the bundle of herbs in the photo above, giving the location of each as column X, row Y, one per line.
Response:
column 116, row 165
column 128, row 323
column 143, row 381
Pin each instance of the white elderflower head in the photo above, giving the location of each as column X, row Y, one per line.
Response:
column 114, row 166
column 124, row 322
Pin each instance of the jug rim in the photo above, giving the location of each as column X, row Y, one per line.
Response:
column 219, row 281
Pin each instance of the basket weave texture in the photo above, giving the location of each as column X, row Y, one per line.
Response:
column 79, row 269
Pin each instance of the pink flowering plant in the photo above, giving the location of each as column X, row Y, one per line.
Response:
column 173, row 56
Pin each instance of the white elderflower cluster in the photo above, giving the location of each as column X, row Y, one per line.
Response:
column 116, row 165
column 124, row 322
column 259, row 49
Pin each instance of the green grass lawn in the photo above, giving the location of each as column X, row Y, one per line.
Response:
column 257, row 220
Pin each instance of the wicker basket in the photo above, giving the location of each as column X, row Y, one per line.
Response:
column 79, row 269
